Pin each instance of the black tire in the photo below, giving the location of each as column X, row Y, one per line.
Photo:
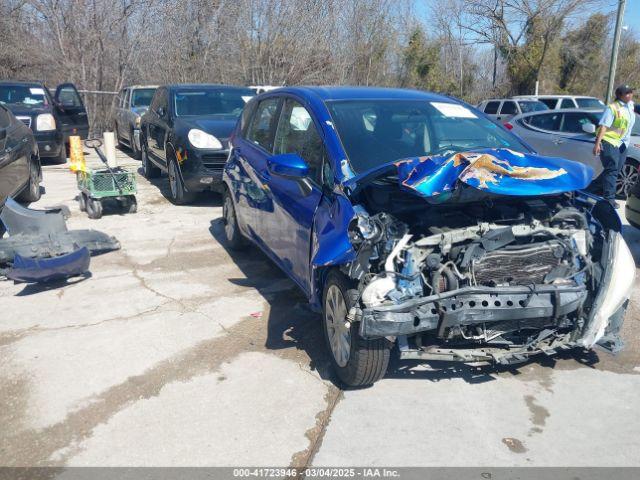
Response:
column 179, row 195
column 627, row 178
column 135, row 153
column 235, row 239
column 132, row 204
column 62, row 156
column 94, row 208
column 367, row 360
column 82, row 201
column 31, row 192
column 149, row 170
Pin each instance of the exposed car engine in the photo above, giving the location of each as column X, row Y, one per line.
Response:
column 517, row 275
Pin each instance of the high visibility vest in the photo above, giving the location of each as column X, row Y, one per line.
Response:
column 618, row 128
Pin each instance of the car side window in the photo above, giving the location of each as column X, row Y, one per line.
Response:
column 547, row 121
column 491, row 108
column 68, row 97
column 572, row 122
column 549, row 102
column 567, row 103
column 262, row 126
column 5, row 118
column 508, row 108
column 297, row 133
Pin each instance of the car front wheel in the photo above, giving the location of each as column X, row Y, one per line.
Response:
column 179, row 195
column 359, row 362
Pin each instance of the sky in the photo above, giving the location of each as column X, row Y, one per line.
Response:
column 631, row 13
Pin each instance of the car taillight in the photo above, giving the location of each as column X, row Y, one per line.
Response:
column 508, row 126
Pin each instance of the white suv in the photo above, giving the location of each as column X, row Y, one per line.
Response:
column 558, row 102
column 503, row 109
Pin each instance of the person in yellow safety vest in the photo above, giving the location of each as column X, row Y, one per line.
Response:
column 612, row 139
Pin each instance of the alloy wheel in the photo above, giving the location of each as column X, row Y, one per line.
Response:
column 338, row 330
column 627, row 178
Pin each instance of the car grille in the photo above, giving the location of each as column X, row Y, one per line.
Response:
column 520, row 266
column 214, row 162
column 25, row 120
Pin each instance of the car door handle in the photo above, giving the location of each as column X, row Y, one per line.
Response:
column 558, row 141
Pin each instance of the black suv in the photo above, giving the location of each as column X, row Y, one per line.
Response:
column 52, row 119
column 185, row 132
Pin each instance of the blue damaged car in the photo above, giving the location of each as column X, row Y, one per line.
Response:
column 411, row 220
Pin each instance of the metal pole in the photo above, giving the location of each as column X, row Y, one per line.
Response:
column 614, row 50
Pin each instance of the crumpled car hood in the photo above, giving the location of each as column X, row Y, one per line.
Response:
column 497, row 171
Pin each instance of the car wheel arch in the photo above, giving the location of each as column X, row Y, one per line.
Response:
column 169, row 148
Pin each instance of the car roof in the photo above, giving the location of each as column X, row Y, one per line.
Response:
column 533, row 97
column 364, row 93
column 562, row 110
column 195, row 86
column 135, row 87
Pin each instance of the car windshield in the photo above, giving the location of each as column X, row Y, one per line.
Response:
column 141, row 97
column 374, row 132
column 23, row 95
column 532, row 106
column 218, row 102
column 589, row 103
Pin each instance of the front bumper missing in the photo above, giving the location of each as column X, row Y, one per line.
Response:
column 471, row 305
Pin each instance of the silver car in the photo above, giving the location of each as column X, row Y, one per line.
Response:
column 570, row 134
column 503, row 109
column 132, row 102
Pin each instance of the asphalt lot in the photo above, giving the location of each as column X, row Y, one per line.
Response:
column 178, row 352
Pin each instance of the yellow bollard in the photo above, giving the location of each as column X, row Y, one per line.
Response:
column 76, row 155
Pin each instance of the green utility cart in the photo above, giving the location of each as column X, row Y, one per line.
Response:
column 110, row 184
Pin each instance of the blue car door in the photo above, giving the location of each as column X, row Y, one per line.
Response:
column 289, row 224
column 253, row 203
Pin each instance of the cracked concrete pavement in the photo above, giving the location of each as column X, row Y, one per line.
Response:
column 177, row 352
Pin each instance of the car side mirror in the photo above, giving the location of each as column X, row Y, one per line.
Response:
column 588, row 128
column 288, row 165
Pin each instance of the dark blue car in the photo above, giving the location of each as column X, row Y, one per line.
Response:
column 411, row 220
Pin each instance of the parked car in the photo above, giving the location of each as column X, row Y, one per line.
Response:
column 560, row 102
column 412, row 219
column 132, row 103
column 52, row 119
column 185, row 133
column 502, row 109
column 571, row 134
column 632, row 206
column 20, row 173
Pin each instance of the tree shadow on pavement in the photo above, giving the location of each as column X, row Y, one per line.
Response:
column 293, row 330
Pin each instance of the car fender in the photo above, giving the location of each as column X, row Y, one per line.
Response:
column 330, row 244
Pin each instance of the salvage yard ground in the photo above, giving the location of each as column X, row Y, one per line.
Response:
column 179, row 352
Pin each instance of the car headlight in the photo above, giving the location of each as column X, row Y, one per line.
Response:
column 45, row 122
column 618, row 290
column 138, row 118
column 200, row 139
